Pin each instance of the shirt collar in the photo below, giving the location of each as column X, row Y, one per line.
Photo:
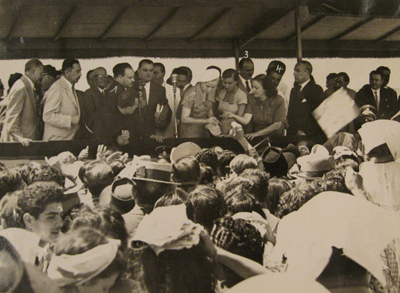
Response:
column 186, row 86
column 68, row 82
column 30, row 81
column 244, row 81
column 304, row 84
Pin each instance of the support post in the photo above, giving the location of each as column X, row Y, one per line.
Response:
column 297, row 20
column 237, row 52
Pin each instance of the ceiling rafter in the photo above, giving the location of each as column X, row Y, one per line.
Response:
column 114, row 22
column 304, row 27
column 351, row 29
column 388, row 34
column 254, row 32
column 16, row 18
column 64, row 23
column 170, row 15
column 210, row 24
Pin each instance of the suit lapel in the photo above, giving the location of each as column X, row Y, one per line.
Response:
column 70, row 94
column 31, row 93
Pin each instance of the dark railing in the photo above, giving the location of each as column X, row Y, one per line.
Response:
column 41, row 149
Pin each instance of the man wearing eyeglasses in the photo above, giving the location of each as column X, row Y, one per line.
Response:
column 95, row 104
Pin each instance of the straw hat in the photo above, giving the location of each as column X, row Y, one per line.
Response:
column 185, row 149
column 154, row 172
column 315, row 164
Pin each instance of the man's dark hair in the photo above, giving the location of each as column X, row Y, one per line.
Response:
column 126, row 99
column 119, row 69
column 88, row 74
column 208, row 157
column 375, row 72
column 97, row 178
column 35, row 198
column 46, row 173
column 345, row 76
column 10, row 180
column 12, row 79
column 68, row 64
column 331, row 76
column 145, row 61
column 186, row 170
column 161, row 66
column 307, row 64
column 186, row 71
column 31, row 64
column 383, row 68
column 243, row 60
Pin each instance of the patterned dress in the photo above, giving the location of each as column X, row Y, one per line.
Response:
column 199, row 102
column 224, row 105
column 266, row 112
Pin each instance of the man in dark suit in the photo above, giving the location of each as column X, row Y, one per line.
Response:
column 385, row 72
column 246, row 71
column 152, row 97
column 94, row 104
column 305, row 97
column 22, row 118
column 375, row 95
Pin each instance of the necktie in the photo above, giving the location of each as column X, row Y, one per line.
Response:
column 143, row 99
column 248, row 86
column 376, row 99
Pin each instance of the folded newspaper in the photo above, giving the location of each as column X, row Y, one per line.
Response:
column 335, row 112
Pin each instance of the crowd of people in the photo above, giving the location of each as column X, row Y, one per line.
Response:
column 42, row 103
column 207, row 220
column 319, row 214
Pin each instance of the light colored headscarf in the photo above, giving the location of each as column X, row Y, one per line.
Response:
column 77, row 269
column 382, row 131
column 346, row 222
column 168, row 228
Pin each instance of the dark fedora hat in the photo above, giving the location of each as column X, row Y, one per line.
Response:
column 277, row 162
column 123, row 191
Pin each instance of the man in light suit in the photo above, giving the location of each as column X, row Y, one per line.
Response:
column 22, row 118
column 61, row 111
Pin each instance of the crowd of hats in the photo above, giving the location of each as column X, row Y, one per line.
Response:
column 256, row 194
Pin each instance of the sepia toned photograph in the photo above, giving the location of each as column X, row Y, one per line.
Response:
column 200, row 146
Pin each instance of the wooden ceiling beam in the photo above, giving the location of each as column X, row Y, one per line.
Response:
column 351, row 29
column 304, row 27
column 210, row 24
column 64, row 23
column 114, row 22
column 170, row 15
column 149, row 3
column 388, row 34
column 16, row 18
column 254, row 32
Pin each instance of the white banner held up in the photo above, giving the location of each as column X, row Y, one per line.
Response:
column 335, row 112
